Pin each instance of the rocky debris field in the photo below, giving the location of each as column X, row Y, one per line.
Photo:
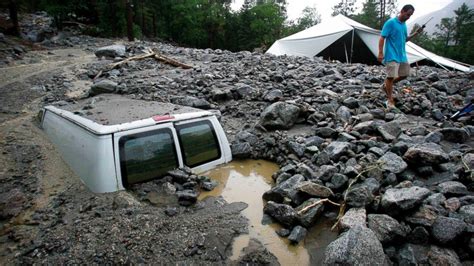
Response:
column 401, row 180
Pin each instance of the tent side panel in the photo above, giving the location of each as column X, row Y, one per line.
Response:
column 304, row 47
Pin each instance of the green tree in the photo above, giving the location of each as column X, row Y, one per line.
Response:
column 309, row 18
column 344, row 7
column 423, row 39
column 369, row 14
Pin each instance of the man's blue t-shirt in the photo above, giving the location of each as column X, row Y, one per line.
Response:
column 395, row 34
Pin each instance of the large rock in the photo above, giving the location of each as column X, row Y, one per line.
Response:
column 336, row 149
column 352, row 218
column 453, row 134
column 187, row 197
column 467, row 212
column 451, row 188
column 241, row 150
column 393, row 163
column 279, row 115
column 310, row 216
column 103, row 86
column 397, row 200
column 325, row 172
column 389, row 131
column 191, row 101
column 446, row 229
column 386, row 228
column 411, row 254
column 426, row 154
column 357, row 246
column 425, row 215
column 359, row 195
column 284, row 214
column 297, row 234
column 287, row 188
column 315, row 190
column 116, row 50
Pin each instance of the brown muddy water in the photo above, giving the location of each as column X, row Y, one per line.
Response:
column 246, row 181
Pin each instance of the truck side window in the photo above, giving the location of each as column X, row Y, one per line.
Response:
column 199, row 143
column 148, row 155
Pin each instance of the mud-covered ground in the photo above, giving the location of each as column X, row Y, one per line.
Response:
column 48, row 216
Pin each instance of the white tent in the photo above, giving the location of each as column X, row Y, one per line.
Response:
column 346, row 40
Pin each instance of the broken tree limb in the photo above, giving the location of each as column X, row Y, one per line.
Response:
column 342, row 208
column 305, row 209
column 148, row 54
column 136, row 57
column 170, row 61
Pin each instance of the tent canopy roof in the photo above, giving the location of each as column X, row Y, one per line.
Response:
column 312, row 41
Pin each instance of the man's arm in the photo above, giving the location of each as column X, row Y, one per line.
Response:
column 381, row 43
column 419, row 30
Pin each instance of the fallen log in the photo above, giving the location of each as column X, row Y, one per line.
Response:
column 149, row 54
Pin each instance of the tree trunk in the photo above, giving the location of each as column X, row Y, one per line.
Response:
column 154, row 25
column 13, row 9
column 129, row 21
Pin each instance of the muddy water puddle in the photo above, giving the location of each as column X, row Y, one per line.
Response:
column 246, row 181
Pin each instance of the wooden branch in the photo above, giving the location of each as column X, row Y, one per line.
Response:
column 342, row 208
column 136, row 57
column 170, row 61
column 148, row 54
column 305, row 209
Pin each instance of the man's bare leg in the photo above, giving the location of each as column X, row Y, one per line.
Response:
column 397, row 79
column 389, row 91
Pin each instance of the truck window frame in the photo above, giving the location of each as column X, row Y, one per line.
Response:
column 181, row 126
column 121, row 143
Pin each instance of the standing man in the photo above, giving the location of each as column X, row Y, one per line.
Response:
column 394, row 36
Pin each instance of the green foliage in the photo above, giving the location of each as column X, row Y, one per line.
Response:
column 344, row 7
column 454, row 37
column 369, row 14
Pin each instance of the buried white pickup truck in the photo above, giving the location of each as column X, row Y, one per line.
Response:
column 112, row 141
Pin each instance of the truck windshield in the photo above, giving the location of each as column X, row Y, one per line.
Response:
column 148, row 155
column 199, row 143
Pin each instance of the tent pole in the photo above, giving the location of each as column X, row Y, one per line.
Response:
column 345, row 50
column 352, row 44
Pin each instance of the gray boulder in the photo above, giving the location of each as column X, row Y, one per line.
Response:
column 287, row 188
column 453, row 134
column 386, row 228
column 389, row 131
column 310, row 216
column 315, row 190
column 467, row 212
column 283, row 213
column 297, row 234
column 425, row 215
column 187, row 197
column 279, row 115
column 357, row 246
column 241, row 150
column 325, row 172
column 191, row 101
column 442, row 256
column 426, row 154
column 393, row 163
column 352, row 218
column 453, row 188
column 336, row 149
column 273, row 95
column 396, row 200
column 116, row 50
column 446, row 229
column 103, row 86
